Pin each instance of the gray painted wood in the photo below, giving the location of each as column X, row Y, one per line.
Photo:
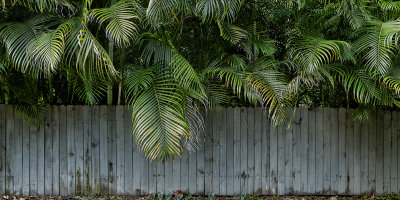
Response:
column 319, row 148
column 304, row 151
column 387, row 135
column 379, row 162
column 236, row 150
column 349, row 151
column 56, row 146
column 327, row 151
column 17, row 164
column 281, row 160
column 87, row 150
column 273, row 183
column 296, row 152
column 48, row 147
column 372, row 130
column 357, row 158
column 25, row 158
column 3, row 149
column 394, row 155
column 334, row 151
column 229, row 151
column 288, row 182
column 222, row 152
column 71, row 150
column 258, row 152
column 95, row 150
column 103, row 151
column 216, row 152
column 265, row 168
column 243, row 150
column 208, row 159
column 63, row 152
column 79, row 151
column 9, row 189
column 250, row 151
column 111, row 150
column 120, row 140
column 311, row 152
column 342, row 177
column 364, row 158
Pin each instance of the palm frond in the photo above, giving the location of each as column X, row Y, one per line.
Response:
column 120, row 27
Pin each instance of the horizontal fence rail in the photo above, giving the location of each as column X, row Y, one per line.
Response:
column 89, row 150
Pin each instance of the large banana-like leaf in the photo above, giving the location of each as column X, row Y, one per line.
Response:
column 120, row 27
column 158, row 119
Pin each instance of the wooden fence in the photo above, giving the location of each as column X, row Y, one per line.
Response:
column 83, row 150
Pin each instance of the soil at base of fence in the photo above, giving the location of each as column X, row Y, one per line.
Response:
column 206, row 198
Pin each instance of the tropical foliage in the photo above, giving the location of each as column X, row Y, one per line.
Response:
column 168, row 59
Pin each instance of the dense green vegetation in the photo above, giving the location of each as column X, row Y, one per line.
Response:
column 167, row 58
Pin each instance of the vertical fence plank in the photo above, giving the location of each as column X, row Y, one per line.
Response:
column 2, row 149
column 185, row 172
column 394, row 163
column 342, row 152
column 168, row 178
column 95, row 145
column 40, row 159
column 364, row 158
column 265, row 168
column 152, row 177
column 103, row 150
column 145, row 176
column 176, row 175
column 63, row 152
column 387, row 151
column 120, row 142
column 230, row 150
column 319, row 148
column 281, row 160
column 311, row 152
column 216, row 153
column 55, row 129
column 304, row 150
column 357, row 157
column 236, row 150
column 372, row 129
column 222, row 151
column 379, row 164
column 33, row 158
column 199, row 160
column 250, row 150
column 131, row 185
column 334, row 151
column 112, row 150
column 87, row 150
column 273, row 159
column 327, row 151
column 79, row 141
column 208, row 159
column 192, row 173
column 296, row 152
column 288, row 161
column 258, row 151
column 349, row 151
column 48, row 139
column 25, row 157
column 9, row 151
column 160, row 178
column 243, row 151
column 71, row 150
column 17, row 148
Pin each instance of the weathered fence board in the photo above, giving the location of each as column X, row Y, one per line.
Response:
column 90, row 150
